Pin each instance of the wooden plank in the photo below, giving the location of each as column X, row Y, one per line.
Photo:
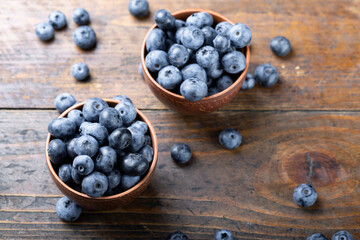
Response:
column 321, row 73
column 248, row 190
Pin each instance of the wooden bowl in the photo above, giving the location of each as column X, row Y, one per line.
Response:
column 108, row 202
column 177, row 102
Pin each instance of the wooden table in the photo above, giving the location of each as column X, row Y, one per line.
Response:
column 308, row 122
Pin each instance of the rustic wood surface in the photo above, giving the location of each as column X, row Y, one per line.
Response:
column 306, row 128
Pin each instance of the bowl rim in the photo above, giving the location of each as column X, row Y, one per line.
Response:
column 119, row 195
column 178, row 96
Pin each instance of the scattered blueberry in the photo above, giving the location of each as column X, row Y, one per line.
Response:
column 110, row 119
column 67, row 210
column 222, row 28
column 86, row 145
column 128, row 182
column 178, row 55
column 164, row 20
column 84, row 37
column 207, row 56
column 156, row 60
column 230, row 138
column 57, row 151
column 114, row 178
column 127, row 112
column 266, row 75
column 155, row 40
column 224, row 82
column 61, row 127
column 76, row 116
column 57, row 19
column 192, row 37
column 169, row 77
column 317, row 236
column 177, row 236
column 95, row 184
column 209, row 35
column 120, row 138
column 342, row 235
column 44, row 31
column 194, row 71
column 233, row 62
column 224, row 234
column 92, row 109
column 134, row 164
column 83, row 165
column 139, row 8
column 193, row 89
column 63, row 101
column 81, row 16
column 280, row 46
column 305, row 195
column 181, row 153
column 65, row 173
column 221, row 43
column 105, row 160
column 148, row 152
column 80, row 71
column 249, row 82
column 240, row 35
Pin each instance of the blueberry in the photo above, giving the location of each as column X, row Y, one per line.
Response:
column 155, row 40
column 213, row 91
column 120, row 138
column 179, row 23
column 57, row 19
column 221, row 43
column 206, row 18
column 181, row 153
column 140, row 70
column 86, row 145
column 110, row 119
column 239, row 35
column 114, row 178
column 76, row 116
column 164, row 20
column 61, row 127
column 137, row 141
column 148, row 152
column 106, row 159
column 81, row 16
column 195, row 20
column 156, row 60
column 140, row 126
column 70, row 147
column 95, row 184
column 63, row 101
column 224, row 234
column 83, row 165
column 84, row 37
column 134, row 164
column 123, row 98
column 97, row 131
column 139, row 8
column 194, row 71
column 44, row 31
column 209, row 35
column 222, row 28
column 83, row 126
column 280, row 46
column 80, row 71
column 193, row 89
column 230, row 138
column 209, row 82
column 266, row 75
column 233, row 62
column 92, row 109
column 317, row 236
column 342, row 235
column 171, row 35
column 127, row 112
column 214, row 71
column 177, row 236
column 192, row 37
column 75, row 176
column 249, row 82
column 178, row 34
column 65, row 173
column 147, row 140
column 305, row 195
column 224, row 82
column 207, row 56
column 67, row 210
column 178, row 55
column 169, row 77
column 128, row 182
column 57, row 151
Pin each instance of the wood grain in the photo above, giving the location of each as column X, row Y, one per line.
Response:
column 322, row 73
column 248, row 190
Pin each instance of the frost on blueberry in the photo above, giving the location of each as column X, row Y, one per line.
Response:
column 138, row 8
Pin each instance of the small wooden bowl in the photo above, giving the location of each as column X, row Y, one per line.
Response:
column 177, row 102
column 108, row 202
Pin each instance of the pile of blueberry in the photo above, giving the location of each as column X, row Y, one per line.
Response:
column 196, row 58
column 99, row 150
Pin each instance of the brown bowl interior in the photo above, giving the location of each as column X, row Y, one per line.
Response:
column 108, row 202
column 179, row 103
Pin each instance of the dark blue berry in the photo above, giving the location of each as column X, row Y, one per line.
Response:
column 110, row 119
column 230, row 138
column 123, row 98
column 192, row 37
column 177, row 236
column 57, row 151
column 222, row 28
column 75, row 176
column 83, row 165
column 44, row 31
column 181, row 153
column 114, row 178
column 221, row 44
column 147, row 140
column 156, row 60
column 128, row 182
column 224, row 82
column 207, row 56
column 209, row 35
column 280, row 46
column 194, row 71
column 106, row 159
column 67, row 210
column 193, row 89
column 178, row 55
column 61, row 127
column 164, row 20
column 95, row 184
column 98, row 131
column 342, row 235
column 140, row 126
column 139, row 8
column 179, row 23
column 305, row 195
column 63, row 101
column 239, row 35
column 156, row 40
column 134, row 164
column 137, row 141
column 266, row 75
column 86, row 145
column 57, row 19
column 169, row 77
column 127, row 112
column 80, row 71
column 81, row 16
column 70, row 147
column 65, row 173
column 249, row 82
column 148, row 152
column 317, row 236
column 92, row 109
column 84, row 37
column 224, row 234
column 233, row 62
column 120, row 138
